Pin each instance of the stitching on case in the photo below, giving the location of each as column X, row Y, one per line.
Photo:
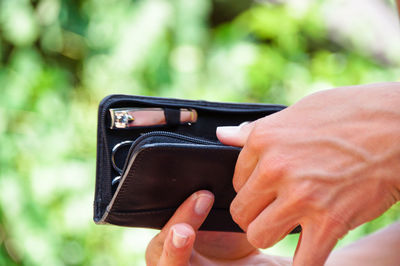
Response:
column 155, row 211
column 99, row 198
column 143, row 212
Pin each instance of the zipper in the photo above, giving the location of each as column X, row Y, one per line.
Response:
column 137, row 143
column 177, row 136
column 144, row 136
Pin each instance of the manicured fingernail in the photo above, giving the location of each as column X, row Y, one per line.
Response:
column 228, row 130
column 203, row 203
column 180, row 236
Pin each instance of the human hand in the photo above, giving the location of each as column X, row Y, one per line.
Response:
column 179, row 243
column 378, row 248
column 329, row 163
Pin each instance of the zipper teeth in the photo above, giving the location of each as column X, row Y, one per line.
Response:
column 138, row 141
column 176, row 135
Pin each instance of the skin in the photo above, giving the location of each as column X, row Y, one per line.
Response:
column 221, row 248
column 330, row 163
column 203, row 247
column 379, row 248
column 327, row 163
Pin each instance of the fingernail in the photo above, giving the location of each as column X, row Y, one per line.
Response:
column 228, row 130
column 179, row 237
column 203, row 203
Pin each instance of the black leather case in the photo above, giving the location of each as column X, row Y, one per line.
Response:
column 167, row 163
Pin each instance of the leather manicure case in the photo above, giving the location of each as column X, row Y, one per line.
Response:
column 153, row 153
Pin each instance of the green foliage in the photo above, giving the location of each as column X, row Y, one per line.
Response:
column 58, row 59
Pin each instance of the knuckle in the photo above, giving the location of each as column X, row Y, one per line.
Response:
column 273, row 170
column 237, row 182
column 305, row 194
column 259, row 183
column 303, row 199
column 280, row 166
column 237, row 215
column 254, row 237
column 253, row 143
column 256, row 137
column 243, row 169
column 234, row 212
column 264, row 168
column 237, row 185
column 336, row 225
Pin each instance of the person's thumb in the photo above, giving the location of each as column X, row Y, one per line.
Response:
column 178, row 246
column 236, row 135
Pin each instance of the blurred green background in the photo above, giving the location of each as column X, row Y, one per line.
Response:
column 59, row 58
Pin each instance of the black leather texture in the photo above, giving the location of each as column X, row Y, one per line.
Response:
column 165, row 164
